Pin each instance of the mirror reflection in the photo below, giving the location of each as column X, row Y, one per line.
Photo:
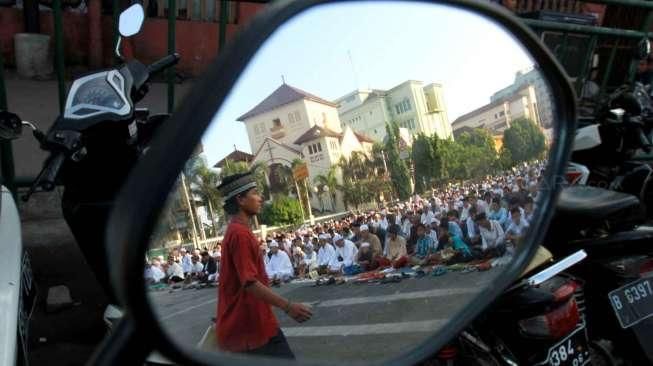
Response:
column 374, row 169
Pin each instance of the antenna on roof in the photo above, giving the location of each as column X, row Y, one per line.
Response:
column 235, row 148
column 353, row 69
column 283, row 79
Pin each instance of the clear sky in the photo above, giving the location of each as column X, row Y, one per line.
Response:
column 389, row 43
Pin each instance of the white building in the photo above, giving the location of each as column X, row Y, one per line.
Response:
column 293, row 124
column 534, row 78
column 497, row 115
column 412, row 105
column 286, row 114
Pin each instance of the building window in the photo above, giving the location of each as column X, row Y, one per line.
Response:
column 276, row 123
column 319, row 146
column 298, row 117
column 502, row 113
column 406, row 104
column 397, row 109
column 310, row 149
column 291, row 118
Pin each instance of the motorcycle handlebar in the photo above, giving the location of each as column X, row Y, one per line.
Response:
column 51, row 170
column 163, row 63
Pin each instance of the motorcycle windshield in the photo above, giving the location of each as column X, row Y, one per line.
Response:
column 97, row 94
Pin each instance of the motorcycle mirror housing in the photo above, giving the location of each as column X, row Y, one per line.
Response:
column 130, row 23
column 131, row 20
column 11, row 126
column 145, row 192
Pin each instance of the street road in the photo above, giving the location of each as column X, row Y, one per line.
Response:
column 351, row 322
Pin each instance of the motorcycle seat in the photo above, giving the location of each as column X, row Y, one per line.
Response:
column 585, row 202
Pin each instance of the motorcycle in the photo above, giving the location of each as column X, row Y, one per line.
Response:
column 93, row 146
column 539, row 320
column 606, row 210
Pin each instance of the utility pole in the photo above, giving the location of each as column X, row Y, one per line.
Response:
column 184, row 188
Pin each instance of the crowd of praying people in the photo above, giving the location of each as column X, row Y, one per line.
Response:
column 183, row 266
column 475, row 220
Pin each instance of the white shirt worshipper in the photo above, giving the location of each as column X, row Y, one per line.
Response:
column 509, row 220
column 279, row 265
column 345, row 250
column 384, row 223
column 325, row 255
column 518, row 230
column 471, row 227
column 197, row 267
column 186, row 262
column 398, row 219
column 175, row 270
column 310, row 259
column 493, row 237
column 426, row 217
column 157, row 272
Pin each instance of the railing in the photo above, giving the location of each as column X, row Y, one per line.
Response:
column 578, row 46
column 202, row 10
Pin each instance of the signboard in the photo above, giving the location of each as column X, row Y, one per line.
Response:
column 300, row 172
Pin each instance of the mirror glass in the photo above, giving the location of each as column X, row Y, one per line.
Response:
column 397, row 150
column 131, row 20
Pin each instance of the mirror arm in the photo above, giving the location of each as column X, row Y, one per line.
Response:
column 118, row 44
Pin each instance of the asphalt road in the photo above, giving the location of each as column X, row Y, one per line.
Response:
column 350, row 321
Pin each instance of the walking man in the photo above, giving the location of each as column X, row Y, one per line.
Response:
column 245, row 322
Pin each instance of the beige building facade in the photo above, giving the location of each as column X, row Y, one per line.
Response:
column 418, row 108
column 497, row 115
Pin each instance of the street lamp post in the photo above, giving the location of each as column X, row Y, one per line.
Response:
column 319, row 196
column 325, row 189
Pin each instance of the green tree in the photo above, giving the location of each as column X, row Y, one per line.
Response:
column 397, row 167
column 424, row 160
column 478, row 154
column 282, row 211
column 524, row 140
column 204, row 183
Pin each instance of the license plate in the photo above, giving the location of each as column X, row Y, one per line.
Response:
column 634, row 302
column 571, row 351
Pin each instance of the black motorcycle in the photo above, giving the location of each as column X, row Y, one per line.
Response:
column 540, row 320
column 95, row 144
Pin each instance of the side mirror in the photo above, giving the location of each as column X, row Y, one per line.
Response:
column 11, row 126
column 130, row 23
column 131, row 20
column 420, row 107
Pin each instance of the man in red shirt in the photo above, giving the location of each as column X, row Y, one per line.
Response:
column 245, row 322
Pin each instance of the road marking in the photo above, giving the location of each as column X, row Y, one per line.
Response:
column 367, row 329
column 394, row 297
column 188, row 309
column 359, row 300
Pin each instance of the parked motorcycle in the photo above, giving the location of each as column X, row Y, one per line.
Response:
column 93, row 146
column 606, row 211
column 537, row 321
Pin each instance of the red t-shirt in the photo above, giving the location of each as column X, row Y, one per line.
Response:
column 244, row 322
